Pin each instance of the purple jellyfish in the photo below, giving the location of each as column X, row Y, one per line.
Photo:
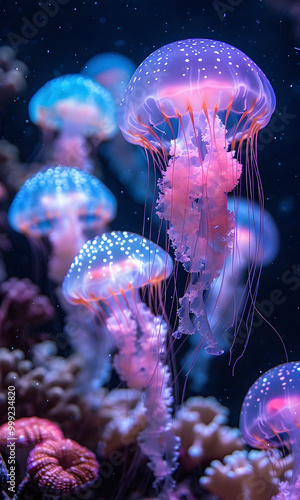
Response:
column 65, row 204
column 77, row 108
column 106, row 277
column 270, row 417
column 189, row 103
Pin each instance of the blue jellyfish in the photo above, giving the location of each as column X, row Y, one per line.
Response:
column 270, row 417
column 188, row 104
column 68, row 206
column 77, row 108
column 112, row 70
column 106, row 276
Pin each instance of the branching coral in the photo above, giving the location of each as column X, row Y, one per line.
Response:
column 111, row 419
column 254, row 475
column 200, row 426
column 46, row 392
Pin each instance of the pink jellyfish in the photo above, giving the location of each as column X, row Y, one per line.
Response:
column 270, row 417
column 106, row 276
column 68, row 206
column 77, row 108
column 189, row 103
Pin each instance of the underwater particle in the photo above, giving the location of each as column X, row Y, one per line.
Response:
column 192, row 100
column 65, row 204
column 270, row 416
column 61, row 467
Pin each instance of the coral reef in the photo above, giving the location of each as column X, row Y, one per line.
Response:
column 61, row 467
column 255, row 475
column 22, row 309
column 200, row 426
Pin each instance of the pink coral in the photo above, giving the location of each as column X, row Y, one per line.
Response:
column 29, row 432
column 62, row 467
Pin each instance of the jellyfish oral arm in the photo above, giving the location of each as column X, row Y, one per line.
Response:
column 193, row 199
column 66, row 239
column 140, row 339
column 72, row 150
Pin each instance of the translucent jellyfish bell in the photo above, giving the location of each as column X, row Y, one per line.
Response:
column 60, row 193
column 113, row 264
column 195, row 75
column 112, row 70
column 257, row 236
column 65, row 204
column 76, row 108
column 270, row 416
column 76, row 103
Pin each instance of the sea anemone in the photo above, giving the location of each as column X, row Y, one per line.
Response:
column 61, row 467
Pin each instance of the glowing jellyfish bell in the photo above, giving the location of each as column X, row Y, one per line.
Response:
column 65, row 204
column 112, row 70
column 77, row 108
column 116, row 263
column 106, row 276
column 270, row 417
column 188, row 103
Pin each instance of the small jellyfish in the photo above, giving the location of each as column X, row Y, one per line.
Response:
column 107, row 276
column 77, row 108
column 68, row 206
column 256, row 244
column 189, row 104
column 270, row 417
column 112, row 70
